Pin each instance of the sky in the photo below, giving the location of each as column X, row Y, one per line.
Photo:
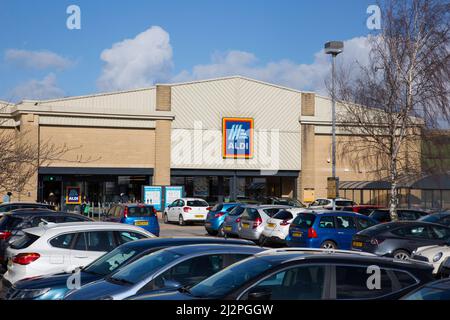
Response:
column 132, row 44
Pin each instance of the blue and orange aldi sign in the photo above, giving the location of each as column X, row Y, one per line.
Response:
column 237, row 138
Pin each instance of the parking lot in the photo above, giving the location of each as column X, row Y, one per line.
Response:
column 174, row 230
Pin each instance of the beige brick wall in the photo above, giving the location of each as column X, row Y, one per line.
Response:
column 102, row 147
column 163, row 149
column 163, row 98
column 308, row 160
column 308, row 104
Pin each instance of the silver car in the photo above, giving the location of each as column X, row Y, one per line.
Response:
column 231, row 222
column 166, row 269
column 254, row 219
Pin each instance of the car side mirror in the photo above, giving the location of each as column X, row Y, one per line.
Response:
column 259, row 294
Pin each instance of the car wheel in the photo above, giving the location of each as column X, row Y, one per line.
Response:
column 211, row 232
column 401, row 255
column 181, row 221
column 166, row 218
column 328, row 245
column 221, row 232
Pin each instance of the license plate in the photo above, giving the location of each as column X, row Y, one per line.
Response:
column 357, row 244
column 228, row 228
column 245, row 225
column 199, row 216
column 271, row 225
column 297, row 234
column 141, row 223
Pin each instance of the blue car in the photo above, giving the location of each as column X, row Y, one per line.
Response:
column 216, row 217
column 136, row 214
column 326, row 229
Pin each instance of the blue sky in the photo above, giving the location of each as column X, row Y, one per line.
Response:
column 276, row 41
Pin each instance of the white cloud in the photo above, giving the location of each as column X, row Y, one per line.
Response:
column 285, row 72
column 137, row 62
column 37, row 59
column 38, row 89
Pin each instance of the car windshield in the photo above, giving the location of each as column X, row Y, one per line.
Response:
column 113, row 260
column 305, row 220
column 9, row 222
column 197, row 203
column 344, row 203
column 231, row 278
column 144, row 267
column 379, row 228
column 237, row 211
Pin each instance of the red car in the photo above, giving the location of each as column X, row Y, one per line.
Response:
column 364, row 209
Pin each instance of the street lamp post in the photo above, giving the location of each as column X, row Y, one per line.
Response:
column 334, row 48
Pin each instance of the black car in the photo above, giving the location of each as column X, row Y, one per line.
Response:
column 53, row 287
column 299, row 274
column 383, row 215
column 6, row 207
column 438, row 290
column 12, row 223
column 400, row 239
column 439, row 218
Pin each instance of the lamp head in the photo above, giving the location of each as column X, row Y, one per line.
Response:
column 334, row 47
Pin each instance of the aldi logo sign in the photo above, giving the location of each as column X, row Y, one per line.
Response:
column 73, row 195
column 237, row 137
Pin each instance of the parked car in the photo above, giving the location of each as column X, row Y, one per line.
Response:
column 186, row 210
column 254, row 218
column 216, row 216
column 277, row 227
column 439, row 218
column 171, row 268
column 400, row 239
column 141, row 215
column 365, row 209
column 6, row 207
column 321, row 203
column 231, row 222
column 326, row 229
column 302, row 274
column 284, row 201
column 55, row 248
column 437, row 290
column 383, row 215
column 438, row 256
column 13, row 223
column 54, row 287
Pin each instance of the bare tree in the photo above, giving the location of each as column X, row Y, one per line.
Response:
column 21, row 157
column 404, row 88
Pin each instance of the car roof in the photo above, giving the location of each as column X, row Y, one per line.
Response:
column 191, row 199
column 26, row 203
column 81, row 226
column 169, row 241
column 286, row 255
column 38, row 212
column 201, row 248
column 332, row 213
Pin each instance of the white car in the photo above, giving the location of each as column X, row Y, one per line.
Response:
column 186, row 210
column 55, row 248
column 277, row 227
column 323, row 203
column 438, row 256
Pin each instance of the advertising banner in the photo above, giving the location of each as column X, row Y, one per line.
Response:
column 73, row 195
column 172, row 193
column 153, row 196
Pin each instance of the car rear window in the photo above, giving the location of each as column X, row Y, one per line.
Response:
column 197, row 203
column 304, row 220
column 9, row 222
column 250, row 214
column 237, row 211
column 380, row 215
column 283, row 215
column 271, row 212
column 24, row 242
column 344, row 203
column 146, row 211
column 217, row 207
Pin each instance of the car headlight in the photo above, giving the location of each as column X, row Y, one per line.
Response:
column 437, row 257
column 29, row 294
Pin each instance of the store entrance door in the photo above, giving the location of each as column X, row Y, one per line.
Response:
column 52, row 192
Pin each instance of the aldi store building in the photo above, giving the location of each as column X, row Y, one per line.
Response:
column 221, row 139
